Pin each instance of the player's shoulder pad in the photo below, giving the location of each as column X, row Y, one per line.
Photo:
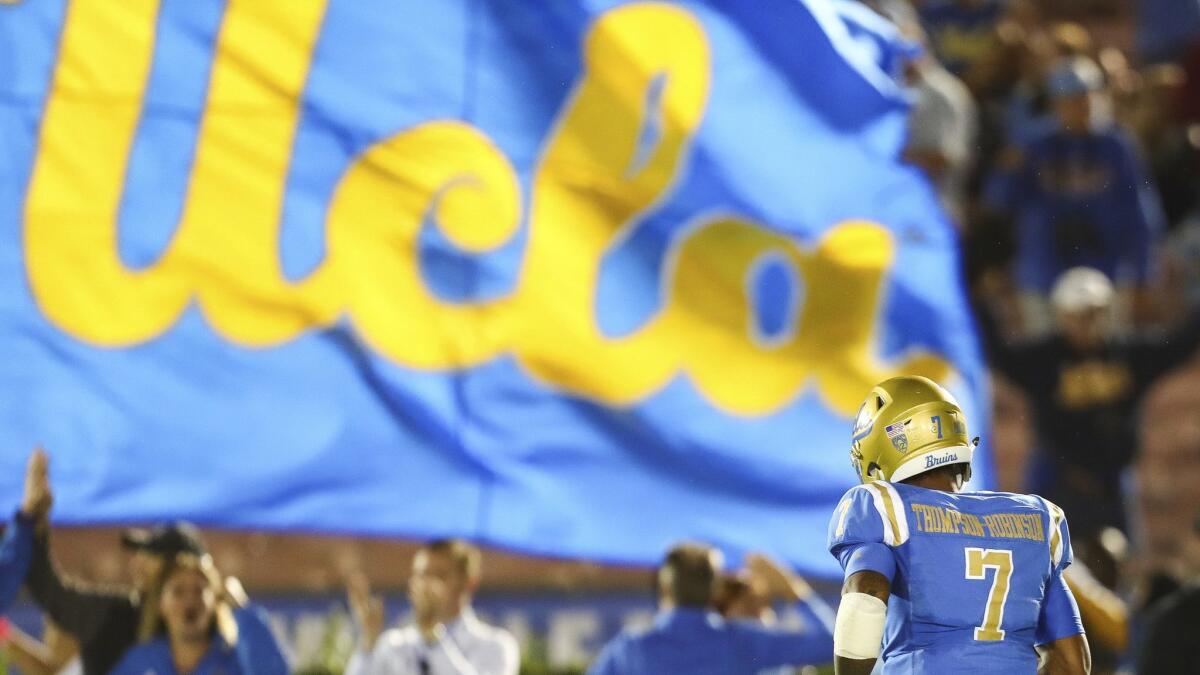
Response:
column 872, row 512
column 1056, row 529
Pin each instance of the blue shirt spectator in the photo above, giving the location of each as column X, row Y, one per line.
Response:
column 1084, row 200
column 256, row 652
column 15, row 552
column 688, row 636
column 197, row 623
column 1083, row 196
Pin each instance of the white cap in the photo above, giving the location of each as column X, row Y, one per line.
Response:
column 1081, row 288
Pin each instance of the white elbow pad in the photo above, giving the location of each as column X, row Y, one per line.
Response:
column 858, row 631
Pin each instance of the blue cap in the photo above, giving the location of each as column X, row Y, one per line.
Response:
column 1074, row 76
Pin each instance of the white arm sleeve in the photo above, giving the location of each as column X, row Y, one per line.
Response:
column 858, row 631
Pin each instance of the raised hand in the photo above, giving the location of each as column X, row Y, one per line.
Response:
column 235, row 593
column 366, row 609
column 38, row 497
column 781, row 582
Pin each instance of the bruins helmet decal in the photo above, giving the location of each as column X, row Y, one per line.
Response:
column 908, row 425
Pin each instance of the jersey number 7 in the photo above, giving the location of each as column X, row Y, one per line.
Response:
column 1000, row 560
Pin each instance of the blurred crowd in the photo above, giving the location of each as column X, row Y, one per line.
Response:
column 1063, row 139
column 178, row 614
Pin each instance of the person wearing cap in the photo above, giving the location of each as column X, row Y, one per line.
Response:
column 1085, row 385
column 199, row 623
column 1081, row 197
column 177, row 537
column 103, row 619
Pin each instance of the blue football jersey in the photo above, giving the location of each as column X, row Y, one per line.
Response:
column 976, row 576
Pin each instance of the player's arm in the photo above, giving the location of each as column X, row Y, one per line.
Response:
column 1061, row 641
column 1067, row 656
column 861, row 536
column 860, row 618
column 1062, row 644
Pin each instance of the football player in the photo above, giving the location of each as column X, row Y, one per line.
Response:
column 938, row 580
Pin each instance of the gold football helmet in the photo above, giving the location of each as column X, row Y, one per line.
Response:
column 907, row 426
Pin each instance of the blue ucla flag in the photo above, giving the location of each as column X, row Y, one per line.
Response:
column 578, row 278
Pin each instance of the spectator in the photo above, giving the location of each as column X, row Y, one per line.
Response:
column 446, row 638
column 199, row 625
column 104, row 620
column 1085, row 385
column 1082, row 197
column 689, row 637
column 1169, row 645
